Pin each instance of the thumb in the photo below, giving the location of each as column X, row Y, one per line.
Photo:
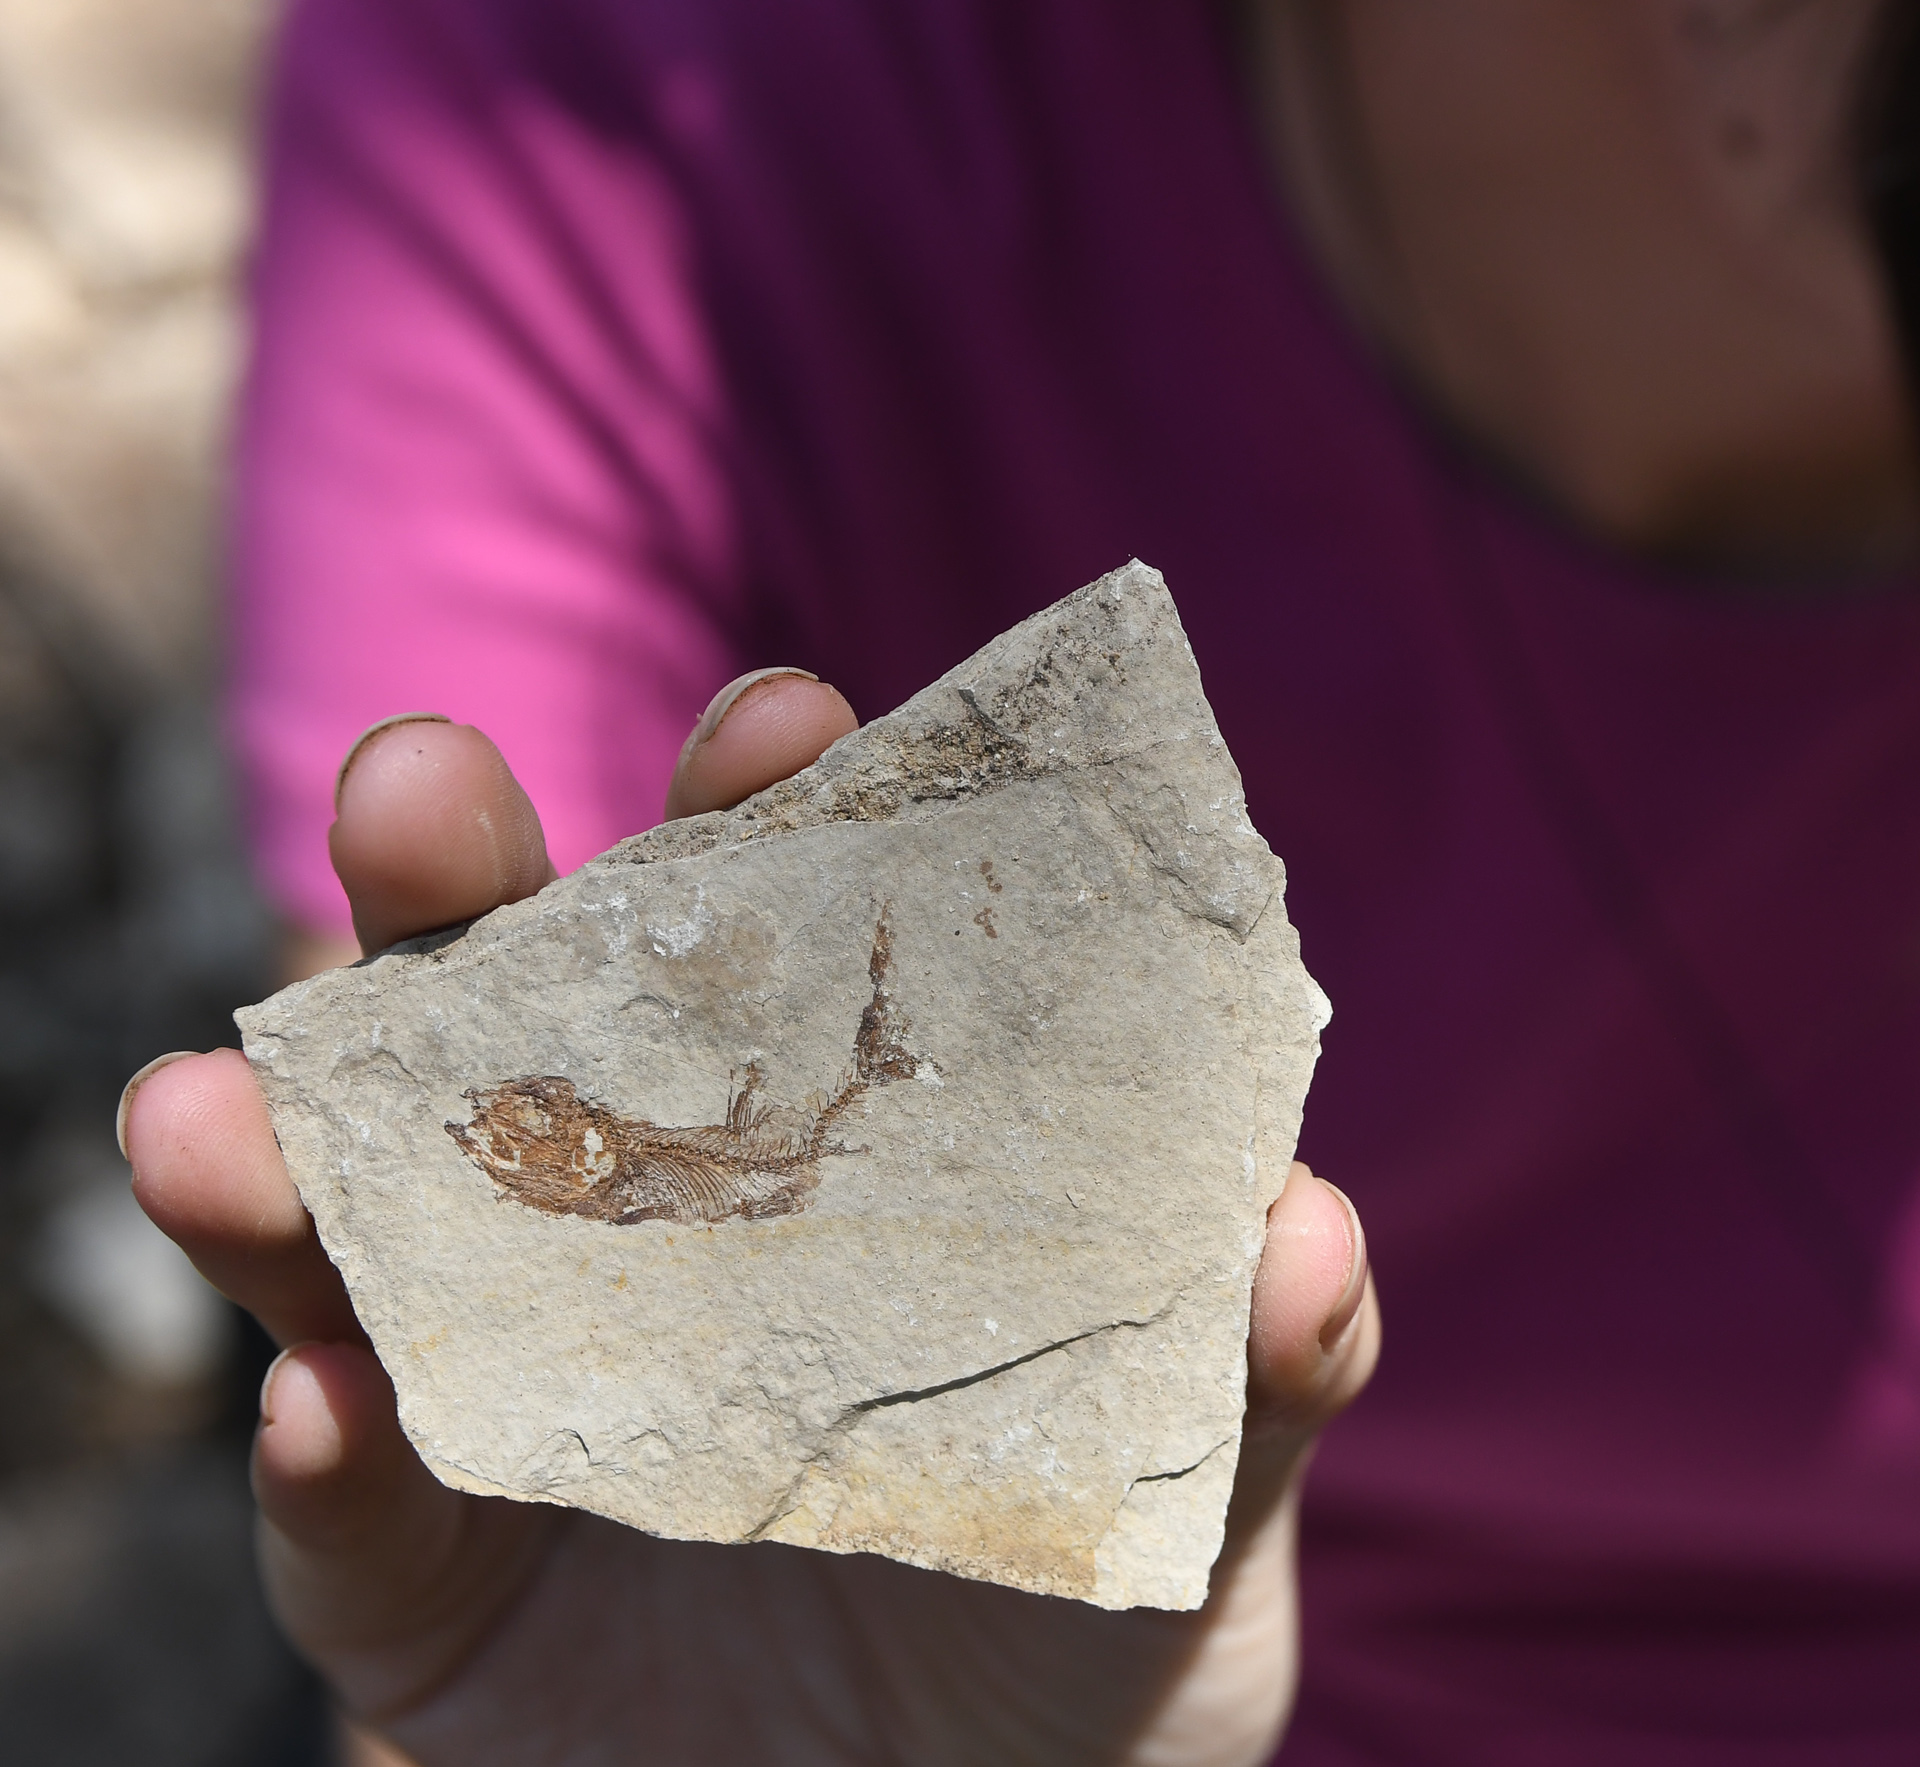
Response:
column 760, row 729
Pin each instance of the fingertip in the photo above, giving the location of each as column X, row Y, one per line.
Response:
column 761, row 728
column 736, row 690
column 300, row 1440
column 1341, row 1316
column 125, row 1107
column 327, row 1435
column 201, row 1147
column 1311, row 1289
column 432, row 828
column 379, row 727
column 208, row 1172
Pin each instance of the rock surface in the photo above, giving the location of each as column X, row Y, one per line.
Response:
column 880, row 1166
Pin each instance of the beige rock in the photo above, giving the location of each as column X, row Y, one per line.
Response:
column 880, row 1166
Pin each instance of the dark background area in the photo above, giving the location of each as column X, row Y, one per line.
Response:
column 131, row 1625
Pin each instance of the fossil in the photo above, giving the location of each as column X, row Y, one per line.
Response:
column 547, row 1147
column 1005, row 1340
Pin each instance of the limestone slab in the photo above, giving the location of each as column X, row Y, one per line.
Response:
column 880, row 1166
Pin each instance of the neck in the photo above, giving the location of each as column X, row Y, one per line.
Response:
column 1625, row 245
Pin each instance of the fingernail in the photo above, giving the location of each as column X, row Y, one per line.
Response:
column 132, row 1086
column 723, row 702
column 274, row 1389
column 1348, row 1305
column 368, row 734
column 267, row 1383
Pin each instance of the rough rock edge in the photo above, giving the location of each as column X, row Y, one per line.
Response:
column 950, row 740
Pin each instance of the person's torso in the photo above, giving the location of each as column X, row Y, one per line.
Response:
column 1613, row 877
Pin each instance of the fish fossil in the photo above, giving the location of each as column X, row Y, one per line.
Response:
column 549, row 1148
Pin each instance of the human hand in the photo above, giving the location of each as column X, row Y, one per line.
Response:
column 476, row 1630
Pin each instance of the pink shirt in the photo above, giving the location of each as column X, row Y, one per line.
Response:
column 608, row 347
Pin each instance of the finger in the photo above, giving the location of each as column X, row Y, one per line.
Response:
column 1313, row 1337
column 1315, row 1327
column 431, row 828
column 760, row 729
column 377, row 1570
column 208, row 1171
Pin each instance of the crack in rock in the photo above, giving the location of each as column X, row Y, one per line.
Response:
column 912, row 1395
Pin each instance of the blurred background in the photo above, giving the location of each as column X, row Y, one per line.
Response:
column 131, row 1628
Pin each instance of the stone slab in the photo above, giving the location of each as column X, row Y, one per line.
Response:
column 880, row 1166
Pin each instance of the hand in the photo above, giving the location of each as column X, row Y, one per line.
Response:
column 475, row 1630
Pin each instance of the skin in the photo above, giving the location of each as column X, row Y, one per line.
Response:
column 471, row 1630
column 1620, row 245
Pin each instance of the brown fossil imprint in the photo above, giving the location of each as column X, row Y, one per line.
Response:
column 549, row 1148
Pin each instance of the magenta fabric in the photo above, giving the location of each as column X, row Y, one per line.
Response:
column 607, row 347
